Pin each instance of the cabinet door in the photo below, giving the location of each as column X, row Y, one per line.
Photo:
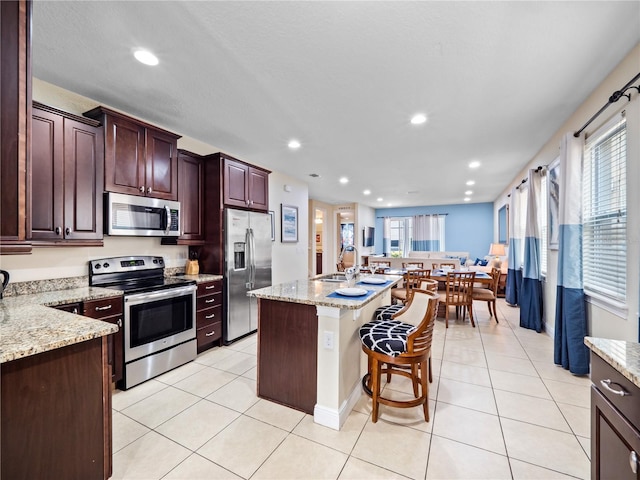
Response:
column 614, row 442
column 124, row 156
column 15, row 118
column 161, row 165
column 236, row 183
column 110, row 310
column 190, row 195
column 47, row 175
column 258, row 189
column 83, row 180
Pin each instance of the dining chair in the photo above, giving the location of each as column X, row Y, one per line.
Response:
column 412, row 279
column 406, row 265
column 438, row 266
column 489, row 295
column 380, row 266
column 459, row 293
column 400, row 346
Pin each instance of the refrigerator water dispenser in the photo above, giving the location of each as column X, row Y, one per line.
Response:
column 239, row 255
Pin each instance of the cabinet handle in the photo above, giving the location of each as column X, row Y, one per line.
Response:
column 209, row 287
column 633, row 461
column 58, row 230
column 606, row 384
column 207, row 317
column 210, row 334
column 119, row 322
column 106, row 307
column 141, row 188
column 210, row 300
column 67, row 231
column 75, row 310
column 149, row 190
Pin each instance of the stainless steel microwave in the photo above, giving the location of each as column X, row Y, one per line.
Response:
column 133, row 216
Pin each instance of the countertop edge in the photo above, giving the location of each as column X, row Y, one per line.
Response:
column 611, row 352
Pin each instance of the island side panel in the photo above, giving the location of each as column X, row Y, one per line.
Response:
column 287, row 353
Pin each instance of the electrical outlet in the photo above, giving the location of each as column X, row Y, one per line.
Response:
column 328, row 340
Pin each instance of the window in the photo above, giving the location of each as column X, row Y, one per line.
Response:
column 604, row 211
column 400, row 236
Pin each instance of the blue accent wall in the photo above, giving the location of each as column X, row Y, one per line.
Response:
column 469, row 226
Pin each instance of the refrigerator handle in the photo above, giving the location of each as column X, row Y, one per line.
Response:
column 249, row 257
column 253, row 258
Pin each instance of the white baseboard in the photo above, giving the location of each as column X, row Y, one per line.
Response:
column 333, row 418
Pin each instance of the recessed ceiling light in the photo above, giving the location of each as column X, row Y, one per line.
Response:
column 418, row 119
column 474, row 164
column 293, row 144
column 468, row 192
column 146, row 57
column 344, row 180
column 379, row 199
column 366, row 192
column 471, row 182
column 466, row 199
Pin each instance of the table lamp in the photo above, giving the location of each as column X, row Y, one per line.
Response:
column 496, row 250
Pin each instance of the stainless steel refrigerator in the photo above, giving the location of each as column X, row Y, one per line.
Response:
column 247, row 267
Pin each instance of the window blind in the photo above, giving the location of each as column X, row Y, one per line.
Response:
column 604, row 211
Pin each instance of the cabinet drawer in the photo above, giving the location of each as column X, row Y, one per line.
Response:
column 208, row 288
column 629, row 405
column 106, row 307
column 209, row 301
column 208, row 316
column 208, row 335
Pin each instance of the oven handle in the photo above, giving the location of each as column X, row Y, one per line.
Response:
column 168, row 293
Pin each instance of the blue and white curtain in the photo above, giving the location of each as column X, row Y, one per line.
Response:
column 426, row 233
column 386, row 236
column 517, row 213
column 571, row 319
column 530, row 293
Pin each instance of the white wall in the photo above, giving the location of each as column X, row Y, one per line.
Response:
column 290, row 260
column 602, row 323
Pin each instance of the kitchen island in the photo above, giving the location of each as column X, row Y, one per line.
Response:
column 309, row 354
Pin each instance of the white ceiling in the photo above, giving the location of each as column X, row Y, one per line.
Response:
column 496, row 80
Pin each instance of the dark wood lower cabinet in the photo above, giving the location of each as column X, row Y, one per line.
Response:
column 615, row 436
column 56, row 414
column 288, row 353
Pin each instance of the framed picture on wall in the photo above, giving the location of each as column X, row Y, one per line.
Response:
column 289, row 219
column 553, row 187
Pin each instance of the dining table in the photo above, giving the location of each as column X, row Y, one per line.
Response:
column 441, row 275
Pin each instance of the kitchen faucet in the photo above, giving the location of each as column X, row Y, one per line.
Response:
column 355, row 256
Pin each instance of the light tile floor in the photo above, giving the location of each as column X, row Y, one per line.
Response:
column 500, row 409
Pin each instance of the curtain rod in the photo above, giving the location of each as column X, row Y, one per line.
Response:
column 524, row 180
column 403, row 216
column 615, row 96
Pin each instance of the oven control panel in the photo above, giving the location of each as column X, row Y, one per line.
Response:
column 124, row 264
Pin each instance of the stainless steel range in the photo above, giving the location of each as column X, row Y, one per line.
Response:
column 159, row 315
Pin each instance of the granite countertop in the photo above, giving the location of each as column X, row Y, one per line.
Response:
column 314, row 292
column 29, row 326
column 621, row 355
column 202, row 277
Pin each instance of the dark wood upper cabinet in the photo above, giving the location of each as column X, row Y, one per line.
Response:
column 15, row 118
column 140, row 159
column 244, row 185
column 191, row 198
column 66, row 178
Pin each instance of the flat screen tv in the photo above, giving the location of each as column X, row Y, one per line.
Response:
column 367, row 236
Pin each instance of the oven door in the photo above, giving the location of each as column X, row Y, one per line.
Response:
column 155, row 321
